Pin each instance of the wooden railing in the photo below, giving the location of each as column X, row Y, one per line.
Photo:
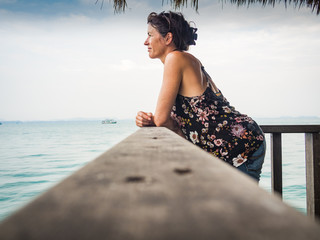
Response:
column 312, row 149
column 156, row 185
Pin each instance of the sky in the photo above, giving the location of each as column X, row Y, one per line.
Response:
column 73, row 59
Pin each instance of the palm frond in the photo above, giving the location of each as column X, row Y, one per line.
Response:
column 120, row 5
column 181, row 3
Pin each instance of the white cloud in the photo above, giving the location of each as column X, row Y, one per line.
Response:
column 78, row 66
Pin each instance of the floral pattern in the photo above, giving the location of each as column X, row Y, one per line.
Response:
column 211, row 123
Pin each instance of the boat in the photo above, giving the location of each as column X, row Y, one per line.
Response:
column 109, row 121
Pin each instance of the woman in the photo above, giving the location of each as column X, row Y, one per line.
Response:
column 191, row 105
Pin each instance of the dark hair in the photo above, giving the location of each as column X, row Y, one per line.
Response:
column 183, row 34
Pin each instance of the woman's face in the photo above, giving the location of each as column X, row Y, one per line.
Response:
column 155, row 42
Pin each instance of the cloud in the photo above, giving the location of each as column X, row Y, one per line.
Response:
column 75, row 65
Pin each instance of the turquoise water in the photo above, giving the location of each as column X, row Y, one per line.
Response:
column 34, row 156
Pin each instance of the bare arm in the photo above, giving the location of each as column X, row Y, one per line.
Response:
column 172, row 76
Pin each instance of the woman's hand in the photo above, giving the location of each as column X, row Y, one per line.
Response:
column 144, row 119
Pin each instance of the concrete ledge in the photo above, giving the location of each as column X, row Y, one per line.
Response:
column 156, row 185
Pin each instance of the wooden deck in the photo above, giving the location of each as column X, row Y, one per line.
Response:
column 156, row 185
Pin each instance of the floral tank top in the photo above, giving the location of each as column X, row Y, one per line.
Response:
column 211, row 123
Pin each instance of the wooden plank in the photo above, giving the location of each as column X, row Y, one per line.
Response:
column 290, row 128
column 156, row 185
column 276, row 163
column 313, row 173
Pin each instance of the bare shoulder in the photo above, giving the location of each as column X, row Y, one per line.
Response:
column 181, row 59
column 175, row 56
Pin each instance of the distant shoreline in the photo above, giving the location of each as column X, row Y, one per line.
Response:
column 314, row 119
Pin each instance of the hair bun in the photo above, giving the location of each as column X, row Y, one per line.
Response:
column 192, row 36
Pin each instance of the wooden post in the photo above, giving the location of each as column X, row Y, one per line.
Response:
column 313, row 173
column 276, row 162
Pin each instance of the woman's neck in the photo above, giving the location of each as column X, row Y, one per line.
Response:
column 169, row 50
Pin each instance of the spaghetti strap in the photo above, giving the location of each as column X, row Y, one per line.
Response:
column 210, row 83
column 205, row 74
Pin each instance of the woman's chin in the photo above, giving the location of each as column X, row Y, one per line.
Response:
column 152, row 55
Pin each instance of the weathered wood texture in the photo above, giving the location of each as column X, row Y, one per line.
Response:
column 156, row 185
column 290, row 128
column 313, row 173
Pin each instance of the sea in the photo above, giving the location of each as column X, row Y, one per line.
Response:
column 34, row 156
